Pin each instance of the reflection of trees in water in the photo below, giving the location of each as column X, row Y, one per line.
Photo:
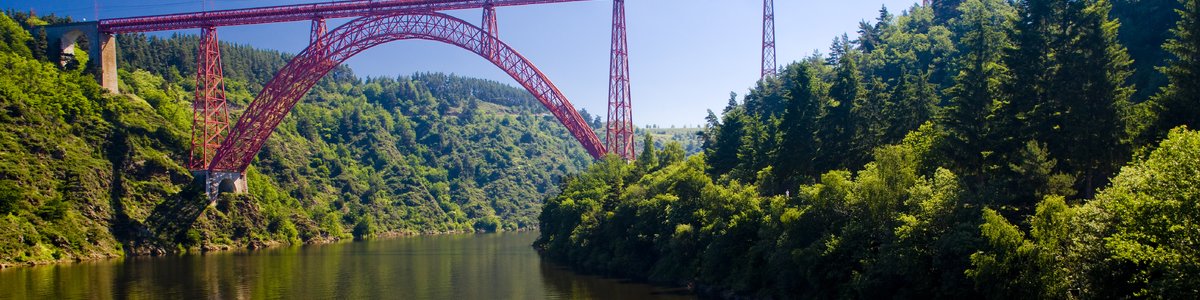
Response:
column 563, row 281
column 467, row 266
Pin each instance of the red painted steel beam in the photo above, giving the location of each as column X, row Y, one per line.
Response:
column 303, row 71
column 210, row 117
column 318, row 30
column 619, row 138
column 300, row 12
column 768, row 39
column 489, row 26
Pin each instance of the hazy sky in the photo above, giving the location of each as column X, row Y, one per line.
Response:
column 685, row 55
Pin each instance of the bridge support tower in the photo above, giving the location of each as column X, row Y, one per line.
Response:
column 619, row 137
column 102, row 49
column 768, row 39
column 216, row 182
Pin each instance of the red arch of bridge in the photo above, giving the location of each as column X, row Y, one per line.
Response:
column 302, row 72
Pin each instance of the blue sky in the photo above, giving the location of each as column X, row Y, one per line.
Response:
column 685, row 55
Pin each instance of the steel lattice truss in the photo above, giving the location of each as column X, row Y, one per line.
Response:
column 331, row 49
column 489, row 26
column 620, row 111
column 299, row 12
column 210, row 117
column 768, row 39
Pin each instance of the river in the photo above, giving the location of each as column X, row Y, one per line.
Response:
column 463, row 266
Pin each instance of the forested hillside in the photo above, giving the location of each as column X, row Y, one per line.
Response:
column 86, row 174
column 970, row 149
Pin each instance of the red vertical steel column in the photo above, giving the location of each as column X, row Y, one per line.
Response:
column 768, row 39
column 318, row 30
column 210, row 118
column 490, row 46
column 314, row 37
column 619, row 139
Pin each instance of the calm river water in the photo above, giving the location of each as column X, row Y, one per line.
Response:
column 468, row 266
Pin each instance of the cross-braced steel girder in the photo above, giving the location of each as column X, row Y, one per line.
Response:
column 619, row 138
column 303, row 71
column 210, row 118
column 489, row 26
column 768, row 39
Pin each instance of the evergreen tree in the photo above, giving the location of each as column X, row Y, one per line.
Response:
column 981, row 32
column 708, row 136
column 1179, row 102
column 871, row 36
column 758, row 145
column 587, row 117
column 797, row 146
column 836, row 125
column 38, row 44
column 870, row 121
column 1145, row 26
column 946, row 10
column 722, row 156
column 1093, row 86
column 913, row 102
column 868, row 37
column 1027, row 114
column 838, row 48
column 647, row 161
column 1034, row 106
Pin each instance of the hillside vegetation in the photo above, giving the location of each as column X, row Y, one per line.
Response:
column 969, row 149
column 85, row 174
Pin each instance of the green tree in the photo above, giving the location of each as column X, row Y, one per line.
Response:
column 1069, row 86
column 13, row 38
column 1145, row 27
column 871, row 36
column 836, row 124
column 869, row 114
column 946, row 10
column 798, row 143
column 1148, row 218
column 672, row 154
column 1093, row 87
column 1027, row 114
column 722, row 156
column 981, row 30
column 647, row 160
column 1179, row 102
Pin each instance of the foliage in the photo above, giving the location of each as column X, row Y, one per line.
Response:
column 965, row 150
column 85, row 174
column 1177, row 104
column 1149, row 218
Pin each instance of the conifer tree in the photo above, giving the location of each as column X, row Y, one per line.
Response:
column 647, row 161
column 981, row 32
column 1179, row 102
column 722, row 156
column 836, row 126
column 1093, row 87
column 794, row 158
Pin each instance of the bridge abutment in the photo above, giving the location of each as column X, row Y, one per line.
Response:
column 217, row 182
column 102, row 49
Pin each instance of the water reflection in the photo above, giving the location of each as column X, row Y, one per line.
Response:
column 485, row 266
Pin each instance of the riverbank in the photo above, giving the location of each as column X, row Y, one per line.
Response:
column 253, row 245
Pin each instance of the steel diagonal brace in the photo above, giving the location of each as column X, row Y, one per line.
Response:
column 298, row 76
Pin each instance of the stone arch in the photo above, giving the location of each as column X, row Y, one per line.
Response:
column 102, row 49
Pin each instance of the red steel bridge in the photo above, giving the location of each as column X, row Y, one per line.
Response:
column 221, row 152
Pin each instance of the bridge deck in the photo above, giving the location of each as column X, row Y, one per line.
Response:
column 299, row 12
